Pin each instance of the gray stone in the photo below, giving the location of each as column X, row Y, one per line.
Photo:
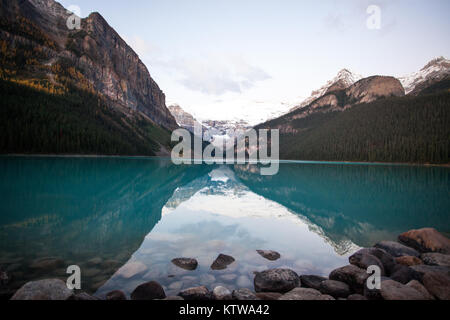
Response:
column 438, row 285
column 276, row 280
column 364, row 260
column 426, row 240
column 311, row 281
column 197, row 293
column 392, row 290
column 436, row 259
column 419, row 287
column 52, row 289
column 397, row 249
column 148, row 291
column 269, row 255
column 222, row 293
column 269, row 296
column 186, row 263
column 83, row 296
column 355, row 297
column 404, row 274
column 116, row 295
column 352, row 275
column 335, row 289
column 173, row 298
column 244, row 295
column 222, row 262
column 305, row 294
column 425, row 269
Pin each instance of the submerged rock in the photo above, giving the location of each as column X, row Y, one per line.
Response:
column 269, row 255
column 436, row 259
column 116, row 295
column 276, row 280
column 222, row 262
column 186, row 263
column 426, row 240
column 305, row 294
column 222, row 293
column 335, row 289
column 311, row 281
column 47, row 264
column 148, row 291
column 397, row 249
column 244, row 295
column 132, row 269
column 268, row 296
column 51, row 289
column 197, row 293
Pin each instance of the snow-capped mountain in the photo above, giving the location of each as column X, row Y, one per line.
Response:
column 436, row 70
column 343, row 80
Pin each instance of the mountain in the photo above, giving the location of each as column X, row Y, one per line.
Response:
column 371, row 120
column 39, row 51
column 343, row 80
column 435, row 71
column 183, row 118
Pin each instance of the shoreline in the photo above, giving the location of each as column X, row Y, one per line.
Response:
column 412, row 164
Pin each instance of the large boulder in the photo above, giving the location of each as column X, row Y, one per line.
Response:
column 222, row 293
column 419, row 287
column 148, row 291
column 276, row 280
column 244, row 295
column 405, row 274
column 386, row 259
column 364, row 260
column 426, row 240
column 425, row 269
column 197, row 293
column 311, row 281
column 352, row 275
column 396, row 249
column 392, row 290
column 436, row 259
column 185, row 263
column 408, row 261
column 51, row 289
column 269, row 255
column 222, row 262
column 438, row 285
column 335, row 289
column 305, row 294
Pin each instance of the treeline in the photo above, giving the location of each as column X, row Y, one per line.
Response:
column 407, row 129
column 33, row 121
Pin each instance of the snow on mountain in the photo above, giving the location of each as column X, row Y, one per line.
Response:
column 343, row 80
column 437, row 69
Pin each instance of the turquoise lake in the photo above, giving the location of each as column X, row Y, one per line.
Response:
column 123, row 220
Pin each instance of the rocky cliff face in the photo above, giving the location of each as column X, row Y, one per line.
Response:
column 100, row 56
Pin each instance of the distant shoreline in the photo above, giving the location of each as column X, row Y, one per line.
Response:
column 280, row 161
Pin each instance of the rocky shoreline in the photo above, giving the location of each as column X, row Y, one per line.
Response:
column 417, row 267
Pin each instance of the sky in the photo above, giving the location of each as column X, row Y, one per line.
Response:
column 251, row 59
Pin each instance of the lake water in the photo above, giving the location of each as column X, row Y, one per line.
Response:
column 123, row 220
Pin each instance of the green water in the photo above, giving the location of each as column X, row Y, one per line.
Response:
column 123, row 220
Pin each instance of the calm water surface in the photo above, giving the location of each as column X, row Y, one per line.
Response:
column 123, row 220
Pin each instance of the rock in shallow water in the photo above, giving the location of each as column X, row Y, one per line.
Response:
column 305, row 294
column 269, row 255
column 116, row 295
column 397, row 249
column 436, row 259
column 426, row 240
column 392, row 290
column 222, row 262
column 276, row 280
column 311, row 281
column 186, row 263
column 197, row 293
column 268, row 296
column 355, row 297
column 148, row 291
column 222, row 293
column 352, row 275
column 438, row 285
column 52, row 289
column 335, row 289
column 244, row 295
column 364, row 260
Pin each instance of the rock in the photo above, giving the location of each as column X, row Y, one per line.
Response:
column 364, row 260
column 47, row 264
column 355, row 297
column 397, row 249
column 207, row 279
column 276, row 280
column 392, row 290
column 335, row 289
column 352, row 275
column 436, row 259
column 312, row 282
column 305, row 294
column 148, row 291
column 222, row 262
column 222, row 293
column 374, row 294
column 426, row 240
column 438, row 285
column 386, row 258
column 268, row 296
column 94, row 261
column 52, row 289
column 197, row 293
column 132, row 269
column 4, row 278
column 186, row 263
column 83, row 297
column 424, row 269
column 269, row 255
column 419, row 287
column 408, row 261
column 173, row 298
column 244, row 295
column 116, row 295
column 404, row 274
